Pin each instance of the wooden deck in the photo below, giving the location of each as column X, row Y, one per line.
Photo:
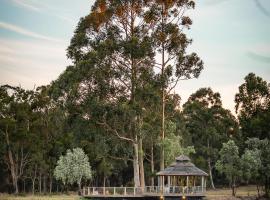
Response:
column 149, row 191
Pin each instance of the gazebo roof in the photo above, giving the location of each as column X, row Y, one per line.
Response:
column 182, row 167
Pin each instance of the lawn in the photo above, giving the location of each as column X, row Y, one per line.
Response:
column 37, row 197
column 218, row 194
column 226, row 193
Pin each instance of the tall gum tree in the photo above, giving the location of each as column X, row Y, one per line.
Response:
column 167, row 21
column 15, row 124
column 253, row 107
column 208, row 120
column 114, row 37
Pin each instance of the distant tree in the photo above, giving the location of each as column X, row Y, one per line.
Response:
column 230, row 164
column 253, row 107
column 251, row 165
column 15, row 125
column 73, row 167
column 256, row 161
column 206, row 119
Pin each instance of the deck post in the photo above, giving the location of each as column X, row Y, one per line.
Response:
column 125, row 191
column 134, row 191
column 169, row 181
column 113, row 190
column 88, row 190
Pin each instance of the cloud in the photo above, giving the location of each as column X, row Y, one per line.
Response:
column 39, row 6
column 258, row 57
column 26, row 32
column 26, row 4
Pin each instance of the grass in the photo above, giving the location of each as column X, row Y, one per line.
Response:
column 39, row 197
column 226, row 193
column 218, row 194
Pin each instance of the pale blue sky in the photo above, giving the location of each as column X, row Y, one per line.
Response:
column 231, row 36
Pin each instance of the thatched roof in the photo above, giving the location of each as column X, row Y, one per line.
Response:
column 182, row 167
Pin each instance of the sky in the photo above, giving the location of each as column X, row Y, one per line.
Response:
column 231, row 36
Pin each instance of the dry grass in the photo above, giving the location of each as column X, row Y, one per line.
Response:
column 36, row 197
column 247, row 192
column 219, row 194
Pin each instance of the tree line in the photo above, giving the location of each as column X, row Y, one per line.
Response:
column 116, row 102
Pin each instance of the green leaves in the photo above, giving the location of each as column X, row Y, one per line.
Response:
column 73, row 167
column 229, row 162
column 253, row 107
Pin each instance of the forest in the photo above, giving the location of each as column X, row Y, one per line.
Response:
column 117, row 103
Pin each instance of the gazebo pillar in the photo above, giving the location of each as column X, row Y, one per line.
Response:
column 202, row 182
column 169, row 181
column 187, row 181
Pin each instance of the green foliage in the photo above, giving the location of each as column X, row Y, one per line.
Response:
column 173, row 144
column 73, row 167
column 251, row 164
column 230, row 163
column 206, row 119
column 253, row 107
column 257, row 165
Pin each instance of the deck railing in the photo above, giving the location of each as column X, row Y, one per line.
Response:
column 148, row 190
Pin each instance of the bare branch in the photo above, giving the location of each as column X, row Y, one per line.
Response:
column 114, row 131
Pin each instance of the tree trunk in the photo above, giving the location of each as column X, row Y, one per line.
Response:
column 23, row 185
column 51, row 180
column 45, row 184
column 33, row 178
column 258, row 190
column 141, row 164
column 80, row 187
column 12, row 166
column 210, row 173
column 162, row 135
column 33, row 185
column 209, row 165
column 152, row 165
column 40, row 182
column 233, row 187
column 136, row 165
column 162, row 153
column 104, row 181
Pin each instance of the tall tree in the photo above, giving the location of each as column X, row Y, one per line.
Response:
column 167, row 22
column 206, row 119
column 253, row 107
column 113, row 48
column 15, row 124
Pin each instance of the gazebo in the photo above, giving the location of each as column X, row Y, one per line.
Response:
column 182, row 176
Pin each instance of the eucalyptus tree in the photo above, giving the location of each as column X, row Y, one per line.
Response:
column 15, row 124
column 48, row 123
column 206, row 119
column 167, row 21
column 112, row 48
column 253, row 107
